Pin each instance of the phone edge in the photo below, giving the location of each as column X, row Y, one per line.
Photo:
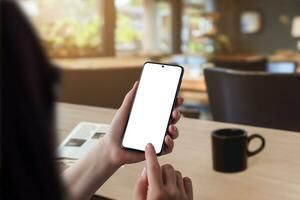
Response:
column 170, row 118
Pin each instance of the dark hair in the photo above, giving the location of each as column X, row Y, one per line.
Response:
column 27, row 127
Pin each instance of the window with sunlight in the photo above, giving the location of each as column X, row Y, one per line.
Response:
column 143, row 26
column 198, row 29
column 67, row 28
column 129, row 26
column 164, row 25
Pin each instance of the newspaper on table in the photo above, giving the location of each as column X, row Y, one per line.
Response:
column 81, row 138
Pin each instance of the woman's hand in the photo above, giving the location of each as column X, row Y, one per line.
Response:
column 112, row 140
column 161, row 183
column 102, row 160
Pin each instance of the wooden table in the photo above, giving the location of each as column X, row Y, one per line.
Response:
column 272, row 174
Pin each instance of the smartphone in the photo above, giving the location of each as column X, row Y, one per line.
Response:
column 152, row 108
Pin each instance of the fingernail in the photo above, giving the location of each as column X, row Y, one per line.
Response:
column 177, row 114
column 143, row 172
column 150, row 147
column 134, row 84
column 147, row 146
column 172, row 129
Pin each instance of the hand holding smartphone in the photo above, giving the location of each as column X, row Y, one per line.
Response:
column 152, row 107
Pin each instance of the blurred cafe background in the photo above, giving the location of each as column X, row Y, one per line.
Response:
column 241, row 57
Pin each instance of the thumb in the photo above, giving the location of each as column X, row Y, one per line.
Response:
column 141, row 186
column 123, row 112
column 128, row 100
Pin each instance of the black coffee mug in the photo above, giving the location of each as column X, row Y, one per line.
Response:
column 230, row 149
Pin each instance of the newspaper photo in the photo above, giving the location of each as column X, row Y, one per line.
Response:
column 81, row 138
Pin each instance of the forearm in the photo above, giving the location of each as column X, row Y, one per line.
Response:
column 90, row 172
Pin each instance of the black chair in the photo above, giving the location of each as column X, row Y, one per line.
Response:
column 254, row 98
column 259, row 64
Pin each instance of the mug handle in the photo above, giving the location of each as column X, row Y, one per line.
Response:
column 259, row 149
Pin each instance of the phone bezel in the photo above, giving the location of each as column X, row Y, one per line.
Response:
column 173, row 106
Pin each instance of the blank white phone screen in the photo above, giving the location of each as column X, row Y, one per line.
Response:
column 150, row 113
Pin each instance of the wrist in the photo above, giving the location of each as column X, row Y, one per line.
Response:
column 112, row 157
column 90, row 172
